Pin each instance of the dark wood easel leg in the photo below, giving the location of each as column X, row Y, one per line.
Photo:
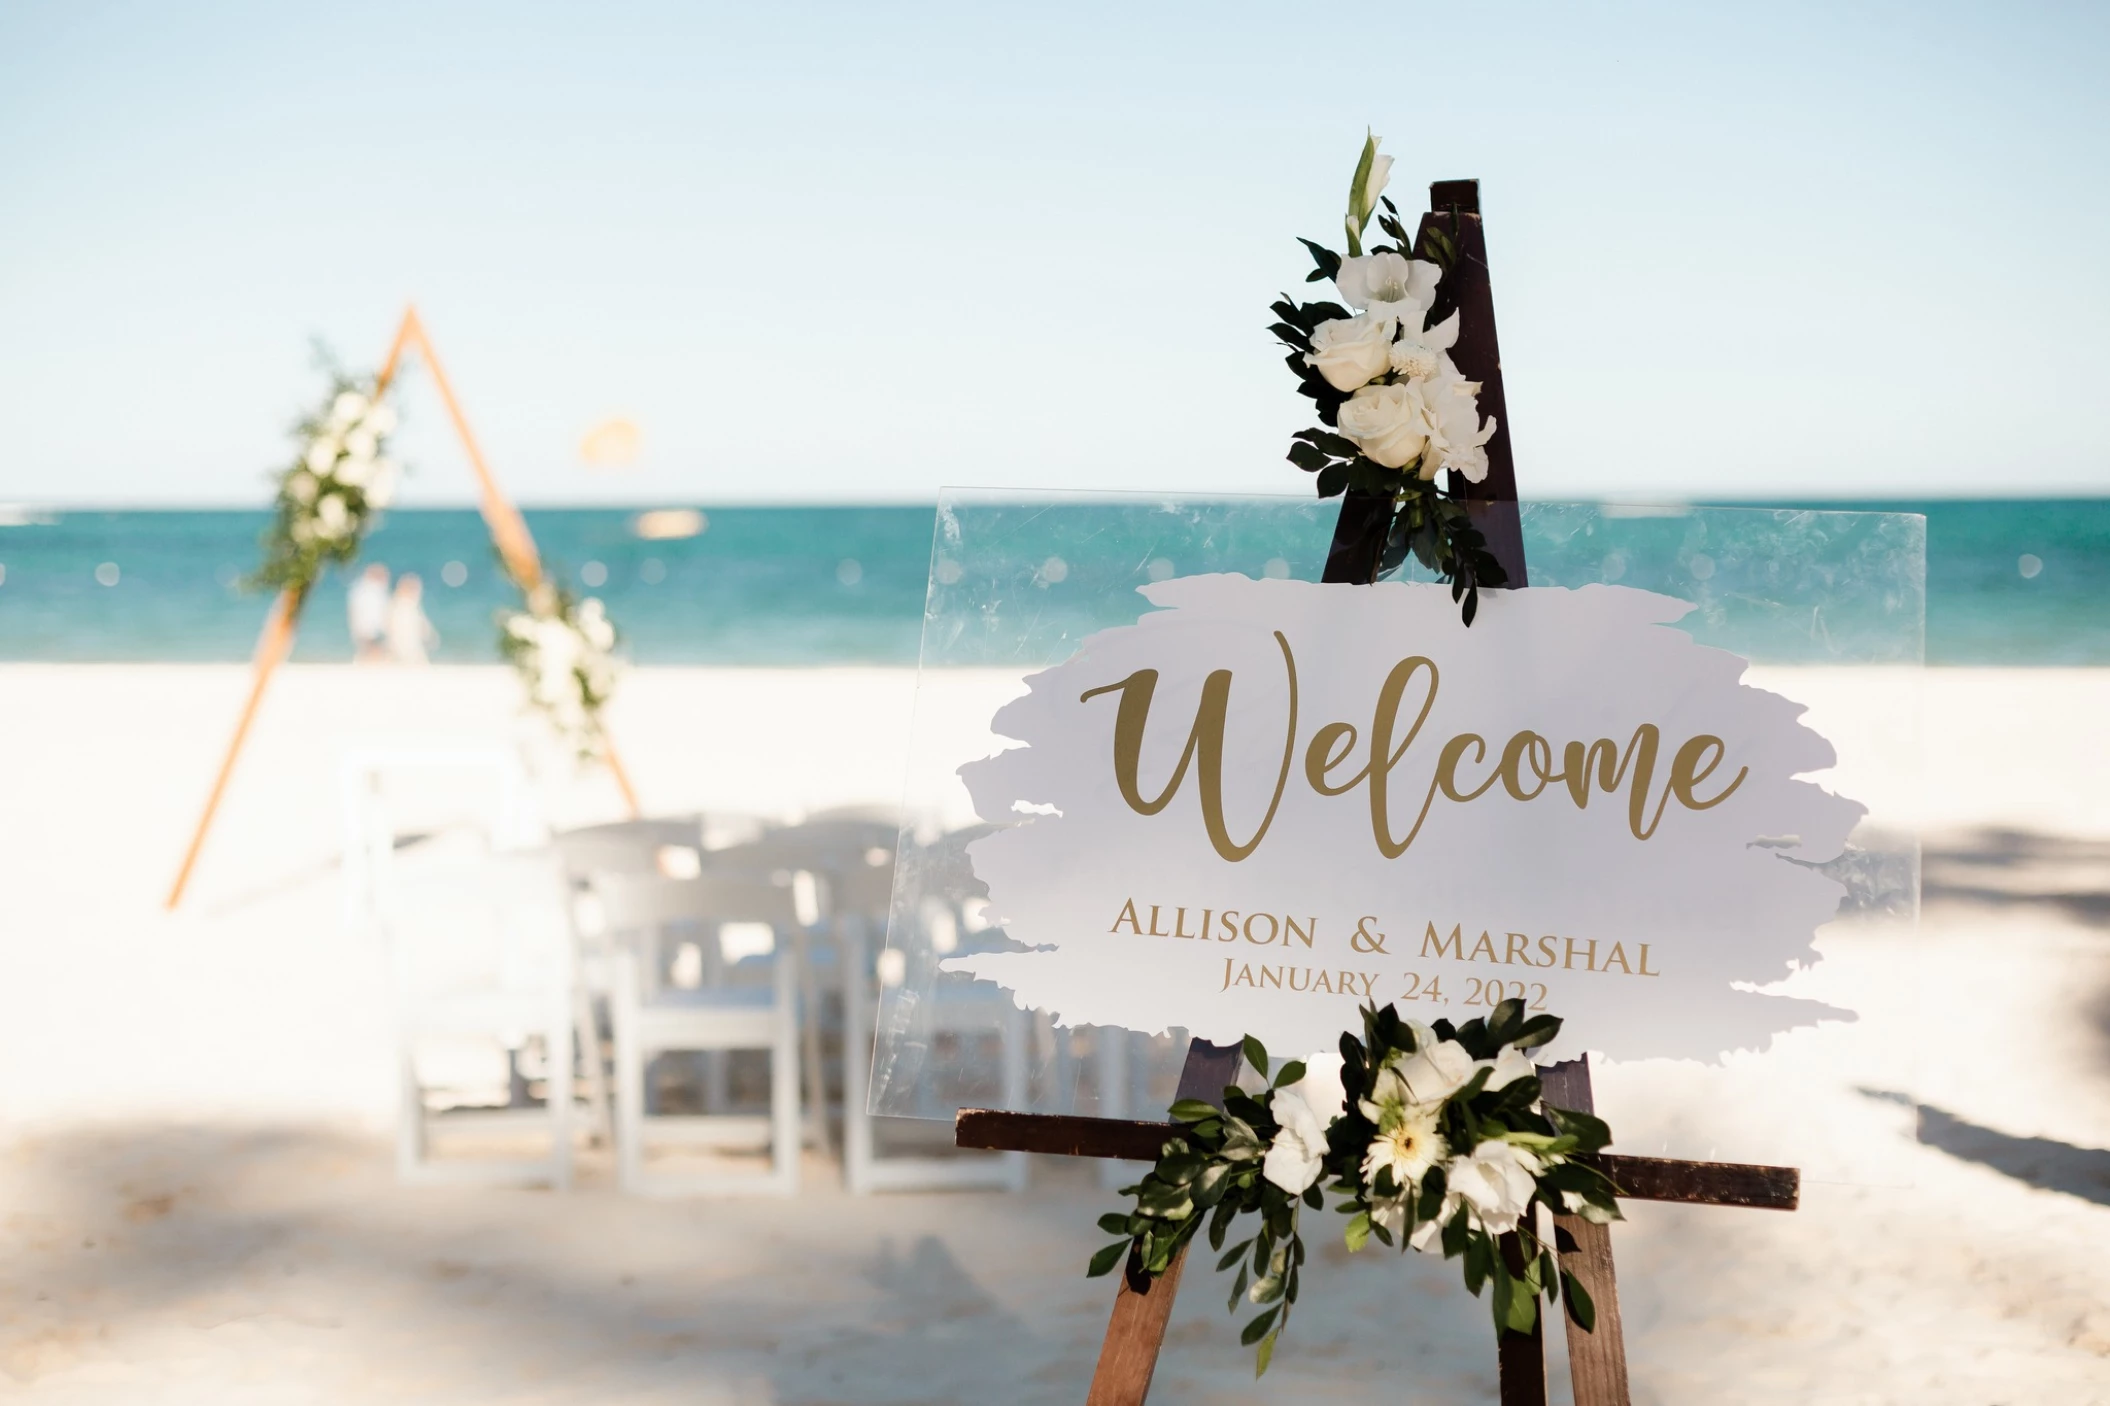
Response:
column 1596, row 1360
column 1129, row 1356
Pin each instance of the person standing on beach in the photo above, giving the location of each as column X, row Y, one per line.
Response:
column 410, row 634
column 366, row 611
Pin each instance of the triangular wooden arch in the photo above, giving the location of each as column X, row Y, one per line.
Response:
column 509, row 534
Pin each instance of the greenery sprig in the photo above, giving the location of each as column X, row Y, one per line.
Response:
column 1432, row 1137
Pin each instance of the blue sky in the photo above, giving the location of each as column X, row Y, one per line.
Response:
column 860, row 251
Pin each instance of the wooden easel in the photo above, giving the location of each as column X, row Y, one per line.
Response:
column 1597, row 1360
column 509, row 533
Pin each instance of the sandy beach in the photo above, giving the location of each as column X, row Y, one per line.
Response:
column 197, row 1201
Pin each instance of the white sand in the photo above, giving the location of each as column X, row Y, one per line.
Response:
column 196, row 1202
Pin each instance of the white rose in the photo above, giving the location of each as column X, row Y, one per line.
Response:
column 331, row 519
column 322, row 453
column 355, row 471
column 1390, row 285
column 1435, row 1071
column 361, row 444
column 1457, row 435
column 1305, row 1110
column 301, row 487
column 1351, row 351
column 1495, row 1181
column 381, row 419
column 1509, row 1066
column 347, row 408
column 1390, row 424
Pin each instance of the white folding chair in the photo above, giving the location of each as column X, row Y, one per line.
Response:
column 481, row 952
column 510, row 818
column 720, row 1013
column 859, row 896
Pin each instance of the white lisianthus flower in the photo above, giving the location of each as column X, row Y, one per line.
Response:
column 1390, row 285
column 1495, row 1181
column 332, row 520
column 361, row 443
column 347, row 409
column 1509, row 1066
column 381, row 419
column 322, row 453
column 1305, row 1110
column 1457, row 436
column 355, row 471
column 300, row 487
column 1351, row 352
column 1390, row 424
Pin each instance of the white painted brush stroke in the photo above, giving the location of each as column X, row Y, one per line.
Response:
column 1725, row 898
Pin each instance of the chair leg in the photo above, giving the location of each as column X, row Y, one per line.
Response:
column 410, row 1114
column 857, row 1055
column 810, row 1041
column 784, row 1085
column 629, row 1075
column 587, row 1031
column 562, row 1013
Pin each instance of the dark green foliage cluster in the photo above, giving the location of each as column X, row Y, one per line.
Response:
column 1212, row 1173
column 1429, row 523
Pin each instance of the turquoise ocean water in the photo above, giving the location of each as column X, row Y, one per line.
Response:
column 2020, row 582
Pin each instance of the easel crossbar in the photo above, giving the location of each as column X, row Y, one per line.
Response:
column 1636, row 1178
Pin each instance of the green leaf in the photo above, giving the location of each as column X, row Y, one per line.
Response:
column 1333, row 480
column 1290, row 1073
column 1237, row 1290
column 1257, row 1329
column 1580, row 1308
column 1232, row 1256
column 1327, row 263
column 1265, row 1355
column 1308, row 458
column 1255, row 1055
column 1357, row 1233
column 1536, row 1031
column 1219, row 1223
column 1114, row 1223
column 1192, row 1110
column 1106, row 1259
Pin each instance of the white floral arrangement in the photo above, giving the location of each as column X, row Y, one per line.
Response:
column 1435, row 1138
column 564, row 649
column 1395, row 409
column 329, row 497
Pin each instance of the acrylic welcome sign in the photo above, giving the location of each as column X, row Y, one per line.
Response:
column 1169, row 785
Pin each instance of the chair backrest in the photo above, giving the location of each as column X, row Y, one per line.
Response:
column 627, row 846
column 493, row 920
column 651, row 903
